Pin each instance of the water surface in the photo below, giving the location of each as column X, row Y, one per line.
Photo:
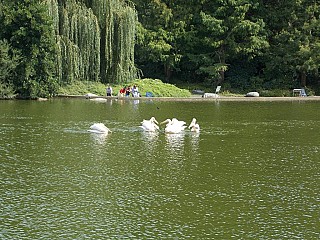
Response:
column 251, row 173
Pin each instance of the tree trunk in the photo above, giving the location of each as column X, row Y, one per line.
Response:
column 303, row 79
column 222, row 57
column 167, row 72
column 221, row 79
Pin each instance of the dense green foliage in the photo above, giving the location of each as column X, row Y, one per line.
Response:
column 239, row 44
column 62, row 41
column 95, row 40
column 27, row 27
column 8, row 62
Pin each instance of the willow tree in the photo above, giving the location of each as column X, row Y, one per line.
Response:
column 95, row 40
column 117, row 21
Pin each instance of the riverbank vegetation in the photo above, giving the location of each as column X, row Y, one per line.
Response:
column 269, row 47
column 155, row 86
column 159, row 89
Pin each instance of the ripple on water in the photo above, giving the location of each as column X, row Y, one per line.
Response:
column 237, row 178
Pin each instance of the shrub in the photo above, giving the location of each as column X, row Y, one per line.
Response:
column 275, row 93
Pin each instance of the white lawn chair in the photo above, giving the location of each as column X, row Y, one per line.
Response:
column 300, row 91
column 218, row 89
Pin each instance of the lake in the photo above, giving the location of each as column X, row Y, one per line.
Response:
column 252, row 172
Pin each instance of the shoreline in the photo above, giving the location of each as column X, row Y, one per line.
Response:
column 198, row 98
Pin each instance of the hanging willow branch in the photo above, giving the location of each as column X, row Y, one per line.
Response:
column 95, row 40
column 123, row 44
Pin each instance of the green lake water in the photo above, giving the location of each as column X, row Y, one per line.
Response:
column 253, row 171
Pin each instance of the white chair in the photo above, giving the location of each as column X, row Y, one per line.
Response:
column 218, row 89
column 300, row 91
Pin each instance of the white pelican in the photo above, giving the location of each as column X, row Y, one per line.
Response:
column 174, row 125
column 194, row 126
column 150, row 125
column 99, row 128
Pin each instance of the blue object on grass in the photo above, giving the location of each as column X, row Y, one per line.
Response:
column 149, row 94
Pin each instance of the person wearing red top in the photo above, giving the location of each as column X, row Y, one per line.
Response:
column 122, row 91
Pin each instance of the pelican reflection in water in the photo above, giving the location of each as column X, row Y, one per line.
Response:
column 151, row 141
column 99, row 139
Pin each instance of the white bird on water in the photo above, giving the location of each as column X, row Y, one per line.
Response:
column 194, row 126
column 150, row 125
column 174, row 125
column 99, row 128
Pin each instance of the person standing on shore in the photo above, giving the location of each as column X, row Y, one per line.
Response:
column 128, row 91
column 122, row 91
column 135, row 91
column 109, row 91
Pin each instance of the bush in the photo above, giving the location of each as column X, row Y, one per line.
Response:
column 275, row 93
column 83, row 87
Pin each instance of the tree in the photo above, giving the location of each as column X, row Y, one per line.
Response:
column 157, row 34
column 9, row 60
column 199, row 36
column 229, row 29
column 294, row 41
column 27, row 27
column 95, row 40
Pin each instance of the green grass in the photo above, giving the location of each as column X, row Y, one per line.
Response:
column 156, row 86
column 160, row 89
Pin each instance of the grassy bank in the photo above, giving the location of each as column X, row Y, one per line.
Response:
column 157, row 87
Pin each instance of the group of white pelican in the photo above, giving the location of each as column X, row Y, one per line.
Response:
column 172, row 126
